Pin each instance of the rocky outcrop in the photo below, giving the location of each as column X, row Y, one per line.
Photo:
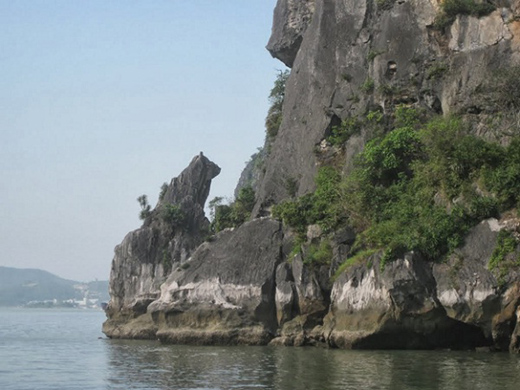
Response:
column 394, row 308
column 169, row 234
column 302, row 300
column 415, row 304
column 225, row 293
column 291, row 18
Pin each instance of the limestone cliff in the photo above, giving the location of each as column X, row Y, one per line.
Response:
column 263, row 282
column 337, row 48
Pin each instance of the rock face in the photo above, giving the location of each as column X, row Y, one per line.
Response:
column 146, row 256
column 348, row 44
column 225, row 293
column 414, row 304
column 291, row 18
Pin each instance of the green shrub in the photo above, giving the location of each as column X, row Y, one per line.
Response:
column 375, row 116
column 372, row 54
column 164, row 188
column 466, row 7
column 385, row 160
column 166, row 260
column 297, row 213
column 353, row 260
column 291, row 186
column 145, row 207
column 387, row 89
column 504, row 88
column 273, row 121
column 399, row 176
column 451, row 8
column 276, row 98
column 347, row 77
column 172, row 214
column 436, row 70
column 340, row 134
column 503, row 177
column 505, row 246
column 277, row 94
column 234, row 214
column 320, row 207
column 319, row 253
column 407, row 116
column 243, row 205
column 223, row 218
column 368, row 85
column 420, row 187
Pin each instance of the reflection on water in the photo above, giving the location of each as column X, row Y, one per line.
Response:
column 140, row 365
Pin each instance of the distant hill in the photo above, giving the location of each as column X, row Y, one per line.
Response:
column 21, row 286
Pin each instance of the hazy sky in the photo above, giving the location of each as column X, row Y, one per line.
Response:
column 104, row 100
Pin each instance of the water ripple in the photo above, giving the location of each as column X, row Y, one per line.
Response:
column 53, row 349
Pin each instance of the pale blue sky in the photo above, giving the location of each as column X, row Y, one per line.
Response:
column 104, row 100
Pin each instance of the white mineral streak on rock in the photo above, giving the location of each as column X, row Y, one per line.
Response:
column 209, row 291
column 449, row 297
column 471, row 33
column 283, row 298
column 362, row 296
column 494, row 225
column 479, row 295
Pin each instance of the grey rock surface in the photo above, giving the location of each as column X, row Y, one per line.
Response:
column 224, row 294
column 415, row 304
column 291, row 18
column 146, row 256
column 394, row 45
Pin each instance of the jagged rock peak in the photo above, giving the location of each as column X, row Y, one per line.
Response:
column 150, row 253
column 194, row 181
column 290, row 20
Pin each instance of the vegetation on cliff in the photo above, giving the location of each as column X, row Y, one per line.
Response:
column 420, row 187
column 234, row 214
column 450, row 9
column 276, row 98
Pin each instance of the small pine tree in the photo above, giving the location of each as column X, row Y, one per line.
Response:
column 145, row 207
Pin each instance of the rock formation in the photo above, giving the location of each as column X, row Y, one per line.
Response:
column 247, row 285
column 145, row 258
column 346, row 44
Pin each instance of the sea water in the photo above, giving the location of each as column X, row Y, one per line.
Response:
column 65, row 349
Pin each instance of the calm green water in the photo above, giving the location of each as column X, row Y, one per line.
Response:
column 62, row 349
